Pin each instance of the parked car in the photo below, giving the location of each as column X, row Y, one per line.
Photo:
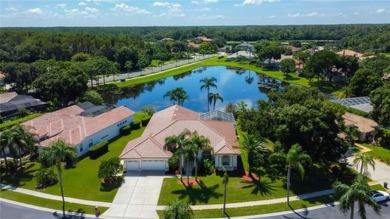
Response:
column 379, row 196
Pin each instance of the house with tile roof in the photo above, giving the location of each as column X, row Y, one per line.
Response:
column 81, row 126
column 347, row 52
column 11, row 102
column 365, row 126
column 147, row 152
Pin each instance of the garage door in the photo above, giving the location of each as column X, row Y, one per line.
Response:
column 153, row 164
column 132, row 165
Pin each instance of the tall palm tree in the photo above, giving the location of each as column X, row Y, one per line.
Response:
column 359, row 191
column 213, row 98
column 253, row 146
column 295, row 158
column 208, row 83
column 225, row 181
column 364, row 159
column 181, row 95
column 198, row 142
column 177, row 144
column 172, row 96
column 57, row 153
column 178, row 210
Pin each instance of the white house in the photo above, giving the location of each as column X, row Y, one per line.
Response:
column 147, row 152
column 81, row 125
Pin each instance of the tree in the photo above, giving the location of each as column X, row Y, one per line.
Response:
column 125, row 54
column 57, row 153
column 301, row 56
column 364, row 159
column 364, row 81
column 380, row 99
column 295, row 158
column 287, row 66
column 253, row 146
column 198, row 142
column 108, row 169
column 322, row 63
column 213, row 98
column 149, row 109
column 207, row 83
column 225, row 181
column 178, row 210
column 359, row 192
column 93, row 97
column 128, row 66
column 177, row 95
column 268, row 50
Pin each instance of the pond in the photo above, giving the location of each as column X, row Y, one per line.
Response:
column 233, row 85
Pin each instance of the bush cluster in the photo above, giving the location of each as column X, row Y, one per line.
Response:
column 98, row 149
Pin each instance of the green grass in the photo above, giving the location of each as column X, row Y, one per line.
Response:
column 52, row 204
column 79, row 182
column 263, row 209
column 379, row 153
column 211, row 191
column 378, row 187
column 7, row 124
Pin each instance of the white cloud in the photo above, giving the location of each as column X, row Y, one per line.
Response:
column 255, row 2
column 61, row 5
column 294, row 15
column 312, row 14
column 82, row 4
column 91, row 10
column 11, row 9
column 202, row 9
column 124, row 7
column 272, row 16
column 316, row 14
column 172, row 9
column 381, row 10
column 214, row 17
column 35, row 11
column 204, row 2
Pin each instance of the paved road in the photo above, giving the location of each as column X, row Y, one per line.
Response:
column 154, row 69
column 12, row 211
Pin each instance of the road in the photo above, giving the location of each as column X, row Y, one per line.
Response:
column 154, row 69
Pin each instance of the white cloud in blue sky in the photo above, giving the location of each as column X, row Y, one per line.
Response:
column 190, row 12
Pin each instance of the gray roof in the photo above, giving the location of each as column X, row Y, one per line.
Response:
column 245, row 45
column 360, row 103
column 19, row 102
column 218, row 116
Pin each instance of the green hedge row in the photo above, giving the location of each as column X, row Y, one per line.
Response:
column 135, row 125
column 98, row 149
column 125, row 130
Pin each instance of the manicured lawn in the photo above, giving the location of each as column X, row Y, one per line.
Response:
column 211, row 190
column 379, row 153
column 79, row 182
column 263, row 209
column 52, row 204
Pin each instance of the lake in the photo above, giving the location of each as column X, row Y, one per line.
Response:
column 234, row 85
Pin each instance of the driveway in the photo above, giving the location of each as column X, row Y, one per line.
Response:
column 138, row 196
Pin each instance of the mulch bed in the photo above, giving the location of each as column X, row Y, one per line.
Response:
column 250, row 178
column 193, row 182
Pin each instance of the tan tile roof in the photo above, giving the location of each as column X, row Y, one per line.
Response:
column 68, row 125
column 173, row 121
column 363, row 124
column 347, row 52
column 6, row 97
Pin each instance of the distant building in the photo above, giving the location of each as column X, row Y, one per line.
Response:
column 245, row 47
column 241, row 54
column 204, row 39
column 166, row 39
column 11, row 102
column 360, row 103
column 365, row 126
column 347, row 52
column 82, row 125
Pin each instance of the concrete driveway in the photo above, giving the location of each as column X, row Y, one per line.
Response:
column 138, row 196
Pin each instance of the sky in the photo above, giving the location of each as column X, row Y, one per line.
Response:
column 48, row 13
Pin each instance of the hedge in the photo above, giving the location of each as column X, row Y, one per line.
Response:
column 125, row 130
column 145, row 121
column 135, row 125
column 98, row 149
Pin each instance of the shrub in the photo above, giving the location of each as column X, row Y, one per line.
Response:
column 174, row 162
column 135, row 125
column 207, row 166
column 98, row 149
column 145, row 122
column 109, row 168
column 45, row 177
column 384, row 137
column 125, row 130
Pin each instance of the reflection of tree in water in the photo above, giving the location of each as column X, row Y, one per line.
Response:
column 134, row 91
column 200, row 70
column 249, row 79
column 239, row 71
column 161, row 81
column 180, row 76
column 110, row 93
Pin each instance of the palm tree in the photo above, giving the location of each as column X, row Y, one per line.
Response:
column 364, row 160
column 177, row 95
column 252, row 145
column 171, row 95
column 359, row 191
column 207, row 83
column 213, row 98
column 198, row 142
column 177, row 144
column 178, row 210
column 225, row 181
column 295, row 158
column 57, row 153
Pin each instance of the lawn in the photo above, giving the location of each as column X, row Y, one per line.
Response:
column 79, row 182
column 379, row 153
column 52, row 204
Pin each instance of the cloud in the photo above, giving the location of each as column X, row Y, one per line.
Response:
column 203, row 2
column 91, row 10
column 124, row 7
column 272, row 16
column 11, row 9
column 35, row 11
column 213, row 17
column 61, row 5
column 381, row 10
column 202, row 9
column 82, row 4
column 294, row 15
column 172, row 9
column 316, row 14
column 255, row 2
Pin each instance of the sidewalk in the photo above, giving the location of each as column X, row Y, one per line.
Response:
column 54, row 197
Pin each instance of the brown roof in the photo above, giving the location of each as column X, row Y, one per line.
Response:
column 173, row 121
column 363, row 124
column 68, row 125
column 6, row 97
column 347, row 52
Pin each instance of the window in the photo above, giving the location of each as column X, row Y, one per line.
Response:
column 81, row 148
column 225, row 160
column 90, row 143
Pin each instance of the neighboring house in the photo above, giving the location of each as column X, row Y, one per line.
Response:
column 204, row 39
column 167, row 39
column 347, row 52
column 365, row 126
column 360, row 103
column 241, row 54
column 147, row 152
column 271, row 64
column 11, row 102
column 192, row 44
column 245, row 47
column 81, row 125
